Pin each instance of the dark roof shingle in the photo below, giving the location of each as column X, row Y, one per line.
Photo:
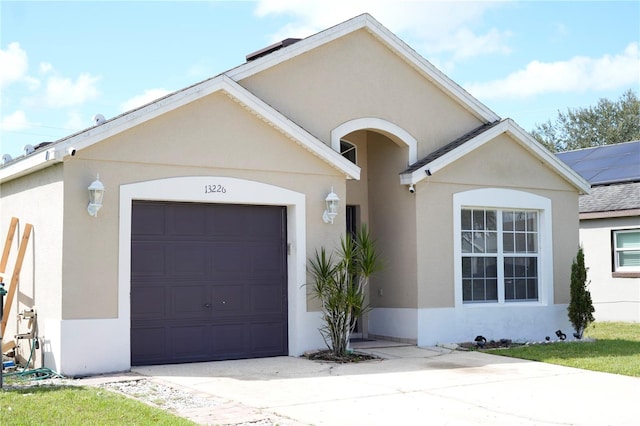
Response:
column 450, row 146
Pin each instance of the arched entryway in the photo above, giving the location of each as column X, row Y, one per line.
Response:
column 382, row 150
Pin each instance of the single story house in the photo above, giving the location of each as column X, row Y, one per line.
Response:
column 610, row 227
column 215, row 199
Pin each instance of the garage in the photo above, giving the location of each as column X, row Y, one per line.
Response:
column 208, row 282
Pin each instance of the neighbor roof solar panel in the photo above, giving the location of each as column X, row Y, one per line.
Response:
column 606, row 164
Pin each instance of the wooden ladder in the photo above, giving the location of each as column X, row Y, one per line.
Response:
column 13, row 285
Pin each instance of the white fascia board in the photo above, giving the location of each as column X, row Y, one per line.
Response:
column 386, row 37
column 506, row 126
column 59, row 150
column 29, row 164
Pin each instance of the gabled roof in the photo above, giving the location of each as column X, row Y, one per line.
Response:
column 59, row 150
column 399, row 47
column 607, row 164
column 467, row 143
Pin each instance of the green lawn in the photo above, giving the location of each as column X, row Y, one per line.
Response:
column 78, row 405
column 616, row 349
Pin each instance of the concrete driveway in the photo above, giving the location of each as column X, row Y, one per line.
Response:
column 410, row 386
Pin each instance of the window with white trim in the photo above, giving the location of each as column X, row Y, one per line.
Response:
column 626, row 250
column 348, row 151
column 499, row 255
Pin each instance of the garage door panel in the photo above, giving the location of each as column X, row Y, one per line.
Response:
column 267, row 258
column 147, row 260
column 150, row 300
column 211, row 286
column 189, row 301
column 188, row 260
column 266, row 298
column 230, row 257
column 149, row 344
column 228, row 339
column 228, row 299
column 186, row 220
column 147, row 219
column 189, row 342
column 264, row 223
column 267, row 338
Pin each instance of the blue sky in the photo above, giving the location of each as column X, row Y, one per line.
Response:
column 63, row 62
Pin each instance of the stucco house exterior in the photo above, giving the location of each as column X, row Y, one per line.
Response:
column 214, row 202
column 610, row 227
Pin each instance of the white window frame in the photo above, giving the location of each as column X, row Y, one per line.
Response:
column 352, row 147
column 506, row 199
column 616, row 251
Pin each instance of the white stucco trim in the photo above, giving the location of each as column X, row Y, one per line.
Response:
column 500, row 198
column 515, row 322
column 303, row 326
column 397, row 133
column 509, row 127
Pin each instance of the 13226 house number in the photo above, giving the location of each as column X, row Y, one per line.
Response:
column 210, row 189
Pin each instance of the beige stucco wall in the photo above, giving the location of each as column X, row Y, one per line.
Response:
column 501, row 163
column 614, row 298
column 356, row 76
column 36, row 199
column 214, row 136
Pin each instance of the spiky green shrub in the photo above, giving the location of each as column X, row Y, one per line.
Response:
column 580, row 307
column 339, row 282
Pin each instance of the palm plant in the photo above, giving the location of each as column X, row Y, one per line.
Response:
column 340, row 280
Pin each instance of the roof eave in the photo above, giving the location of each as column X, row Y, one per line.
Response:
column 58, row 150
column 505, row 126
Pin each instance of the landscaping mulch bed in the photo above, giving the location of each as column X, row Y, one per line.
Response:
column 491, row 344
column 328, row 355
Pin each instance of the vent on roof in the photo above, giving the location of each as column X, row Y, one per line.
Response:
column 6, row 158
column 98, row 119
column 270, row 49
column 28, row 149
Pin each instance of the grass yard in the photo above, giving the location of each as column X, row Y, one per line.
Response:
column 616, row 349
column 78, row 405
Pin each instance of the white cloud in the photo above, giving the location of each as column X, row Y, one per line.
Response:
column 578, row 74
column 45, row 67
column 62, row 92
column 13, row 64
column 439, row 27
column 144, row 98
column 14, row 122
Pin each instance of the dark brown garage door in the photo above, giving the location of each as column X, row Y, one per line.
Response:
column 208, row 282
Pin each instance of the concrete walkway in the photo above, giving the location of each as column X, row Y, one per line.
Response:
column 410, row 386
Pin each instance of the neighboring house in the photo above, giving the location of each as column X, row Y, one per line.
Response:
column 215, row 197
column 610, row 227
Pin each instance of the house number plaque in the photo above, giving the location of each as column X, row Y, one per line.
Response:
column 211, row 189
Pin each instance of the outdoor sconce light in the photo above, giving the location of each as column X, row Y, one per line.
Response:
column 96, row 193
column 331, row 212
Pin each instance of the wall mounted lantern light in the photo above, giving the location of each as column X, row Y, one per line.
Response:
column 96, row 193
column 331, row 212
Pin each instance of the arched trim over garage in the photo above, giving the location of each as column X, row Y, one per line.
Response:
column 393, row 131
column 213, row 189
